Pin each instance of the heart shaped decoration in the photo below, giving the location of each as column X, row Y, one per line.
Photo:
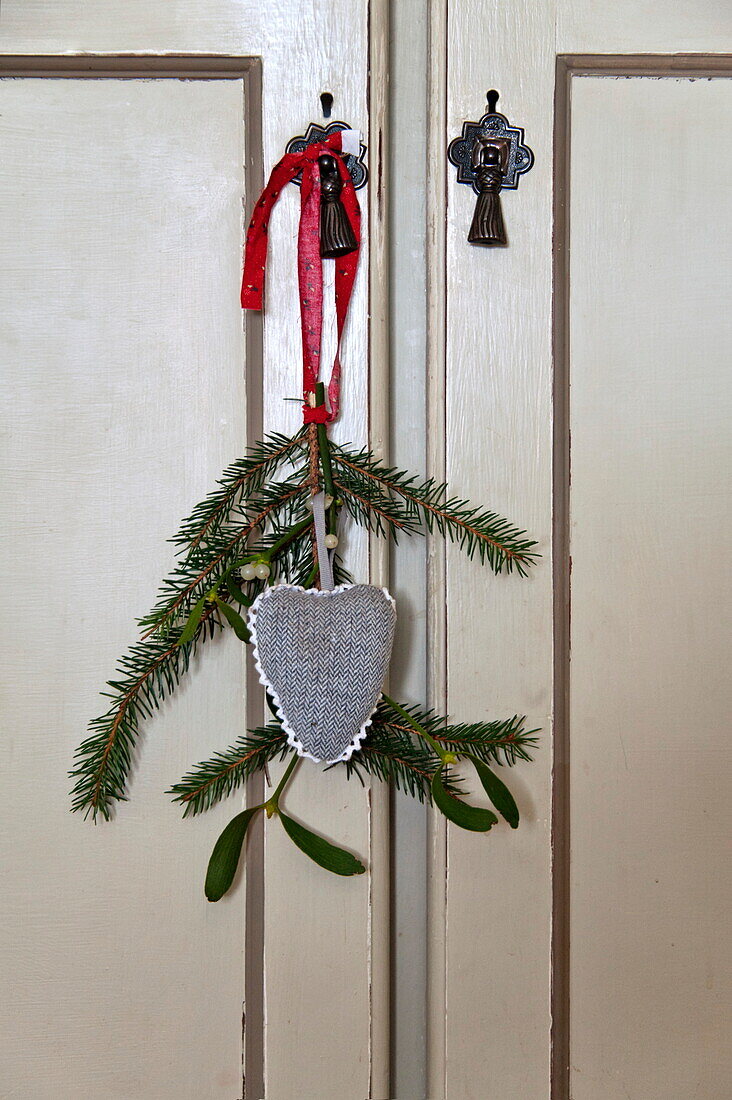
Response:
column 323, row 656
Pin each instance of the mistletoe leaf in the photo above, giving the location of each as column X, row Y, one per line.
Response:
column 497, row 791
column 225, row 856
column 234, row 620
column 189, row 630
column 321, row 850
column 234, row 590
column 461, row 813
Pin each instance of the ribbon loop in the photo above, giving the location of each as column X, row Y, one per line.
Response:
column 309, row 262
column 325, row 562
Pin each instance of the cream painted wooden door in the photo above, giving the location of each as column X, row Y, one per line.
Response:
column 586, row 955
column 582, row 956
column 133, row 142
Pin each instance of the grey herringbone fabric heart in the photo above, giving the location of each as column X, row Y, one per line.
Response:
column 323, row 656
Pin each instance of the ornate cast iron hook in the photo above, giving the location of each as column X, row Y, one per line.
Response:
column 490, row 155
column 314, row 132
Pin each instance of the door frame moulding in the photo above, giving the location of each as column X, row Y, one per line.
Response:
column 131, row 66
column 569, row 66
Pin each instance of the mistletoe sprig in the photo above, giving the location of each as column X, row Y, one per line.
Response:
column 256, row 527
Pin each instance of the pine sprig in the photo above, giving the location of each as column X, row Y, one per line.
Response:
column 395, row 756
column 152, row 668
column 148, row 673
column 373, row 508
column 390, row 753
column 239, row 481
column 248, row 517
column 501, row 742
column 385, row 498
column 276, row 507
column 211, row 780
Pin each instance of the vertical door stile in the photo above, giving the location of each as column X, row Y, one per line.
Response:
column 561, row 580
column 93, row 357
column 496, row 923
column 316, row 954
column 326, row 939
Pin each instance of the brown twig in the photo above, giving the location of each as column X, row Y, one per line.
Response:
column 314, row 476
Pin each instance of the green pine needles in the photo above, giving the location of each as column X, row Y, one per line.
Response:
column 391, row 753
column 256, row 527
column 390, row 501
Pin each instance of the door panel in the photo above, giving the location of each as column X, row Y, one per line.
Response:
column 121, row 207
column 650, row 530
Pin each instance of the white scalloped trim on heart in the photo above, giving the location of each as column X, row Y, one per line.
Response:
column 292, row 739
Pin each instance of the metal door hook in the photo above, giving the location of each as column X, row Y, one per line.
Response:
column 490, row 155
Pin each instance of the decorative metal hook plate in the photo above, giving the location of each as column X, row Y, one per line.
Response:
column 492, row 129
column 355, row 165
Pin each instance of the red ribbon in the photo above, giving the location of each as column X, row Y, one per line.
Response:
column 309, row 263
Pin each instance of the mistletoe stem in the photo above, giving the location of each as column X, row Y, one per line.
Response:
column 298, row 529
column 272, row 805
column 445, row 757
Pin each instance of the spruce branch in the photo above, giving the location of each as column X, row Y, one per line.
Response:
column 238, row 482
column 211, row 780
column 152, row 668
column 247, row 518
column 390, row 753
column 399, row 500
column 148, row 673
column 504, row 741
column 393, row 755
column 278, row 507
column 373, row 509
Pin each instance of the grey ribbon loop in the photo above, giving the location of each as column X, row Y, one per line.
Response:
column 326, row 567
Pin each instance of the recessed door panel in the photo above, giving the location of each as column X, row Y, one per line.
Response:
column 122, row 355
column 650, row 536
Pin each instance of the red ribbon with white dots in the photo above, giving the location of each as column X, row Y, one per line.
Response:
column 309, row 263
